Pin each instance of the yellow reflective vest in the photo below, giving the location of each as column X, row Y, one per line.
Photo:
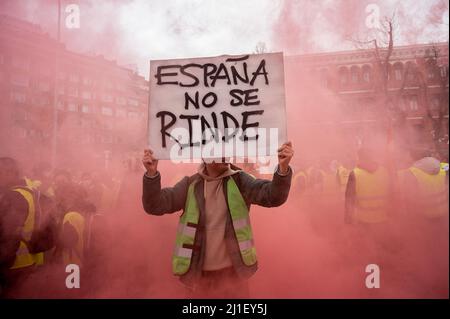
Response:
column 372, row 193
column 36, row 184
column 432, row 199
column 75, row 255
column 33, row 183
column 188, row 224
column 297, row 177
column 343, row 174
column 321, row 182
column 23, row 256
column 329, row 185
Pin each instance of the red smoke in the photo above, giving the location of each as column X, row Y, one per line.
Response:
column 304, row 248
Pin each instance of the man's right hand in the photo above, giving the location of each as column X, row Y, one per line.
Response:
column 150, row 163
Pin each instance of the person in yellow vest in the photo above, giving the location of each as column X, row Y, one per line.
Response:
column 445, row 169
column 424, row 191
column 425, row 187
column 21, row 239
column 42, row 186
column 73, row 238
column 75, row 225
column 94, row 188
column 368, row 195
column 40, row 180
column 299, row 181
column 78, row 243
column 342, row 175
column 214, row 250
column 314, row 179
column 328, row 171
column 321, row 181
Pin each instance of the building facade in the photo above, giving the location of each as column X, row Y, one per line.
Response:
column 346, row 94
column 101, row 106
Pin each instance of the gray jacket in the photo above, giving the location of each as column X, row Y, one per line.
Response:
column 157, row 201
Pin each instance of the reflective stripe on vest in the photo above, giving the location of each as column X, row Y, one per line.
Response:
column 371, row 195
column 241, row 223
column 187, row 228
column 433, row 197
column 23, row 256
column 75, row 256
column 181, row 260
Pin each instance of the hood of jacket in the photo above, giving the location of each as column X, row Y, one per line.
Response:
column 429, row 165
column 228, row 172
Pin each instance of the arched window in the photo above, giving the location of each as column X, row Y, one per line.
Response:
column 431, row 69
column 397, row 71
column 343, row 76
column 366, row 74
column 435, row 102
column 354, row 74
column 411, row 102
column 390, row 72
column 444, row 71
column 411, row 70
column 323, row 74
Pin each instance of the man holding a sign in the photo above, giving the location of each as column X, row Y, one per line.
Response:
column 214, row 252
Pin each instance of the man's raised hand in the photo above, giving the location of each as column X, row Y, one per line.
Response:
column 150, row 162
column 285, row 153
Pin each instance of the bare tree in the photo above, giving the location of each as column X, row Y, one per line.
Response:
column 434, row 65
column 381, row 41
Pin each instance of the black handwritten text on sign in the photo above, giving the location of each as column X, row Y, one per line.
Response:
column 194, row 102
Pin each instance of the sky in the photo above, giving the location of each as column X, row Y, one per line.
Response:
column 136, row 31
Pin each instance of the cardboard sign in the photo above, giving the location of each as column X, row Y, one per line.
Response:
column 217, row 107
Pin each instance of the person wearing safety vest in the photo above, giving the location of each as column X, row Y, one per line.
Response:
column 77, row 215
column 79, row 228
column 424, row 185
column 215, row 252
column 22, row 239
column 73, row 238
column 342, row 174
column 328, row 171
column 424, row 191
column 44, row 191
column 299, row 182
column 445, row 170
column 314, row 179
column 41, row 180
column 368, row 196
column 444, row 167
